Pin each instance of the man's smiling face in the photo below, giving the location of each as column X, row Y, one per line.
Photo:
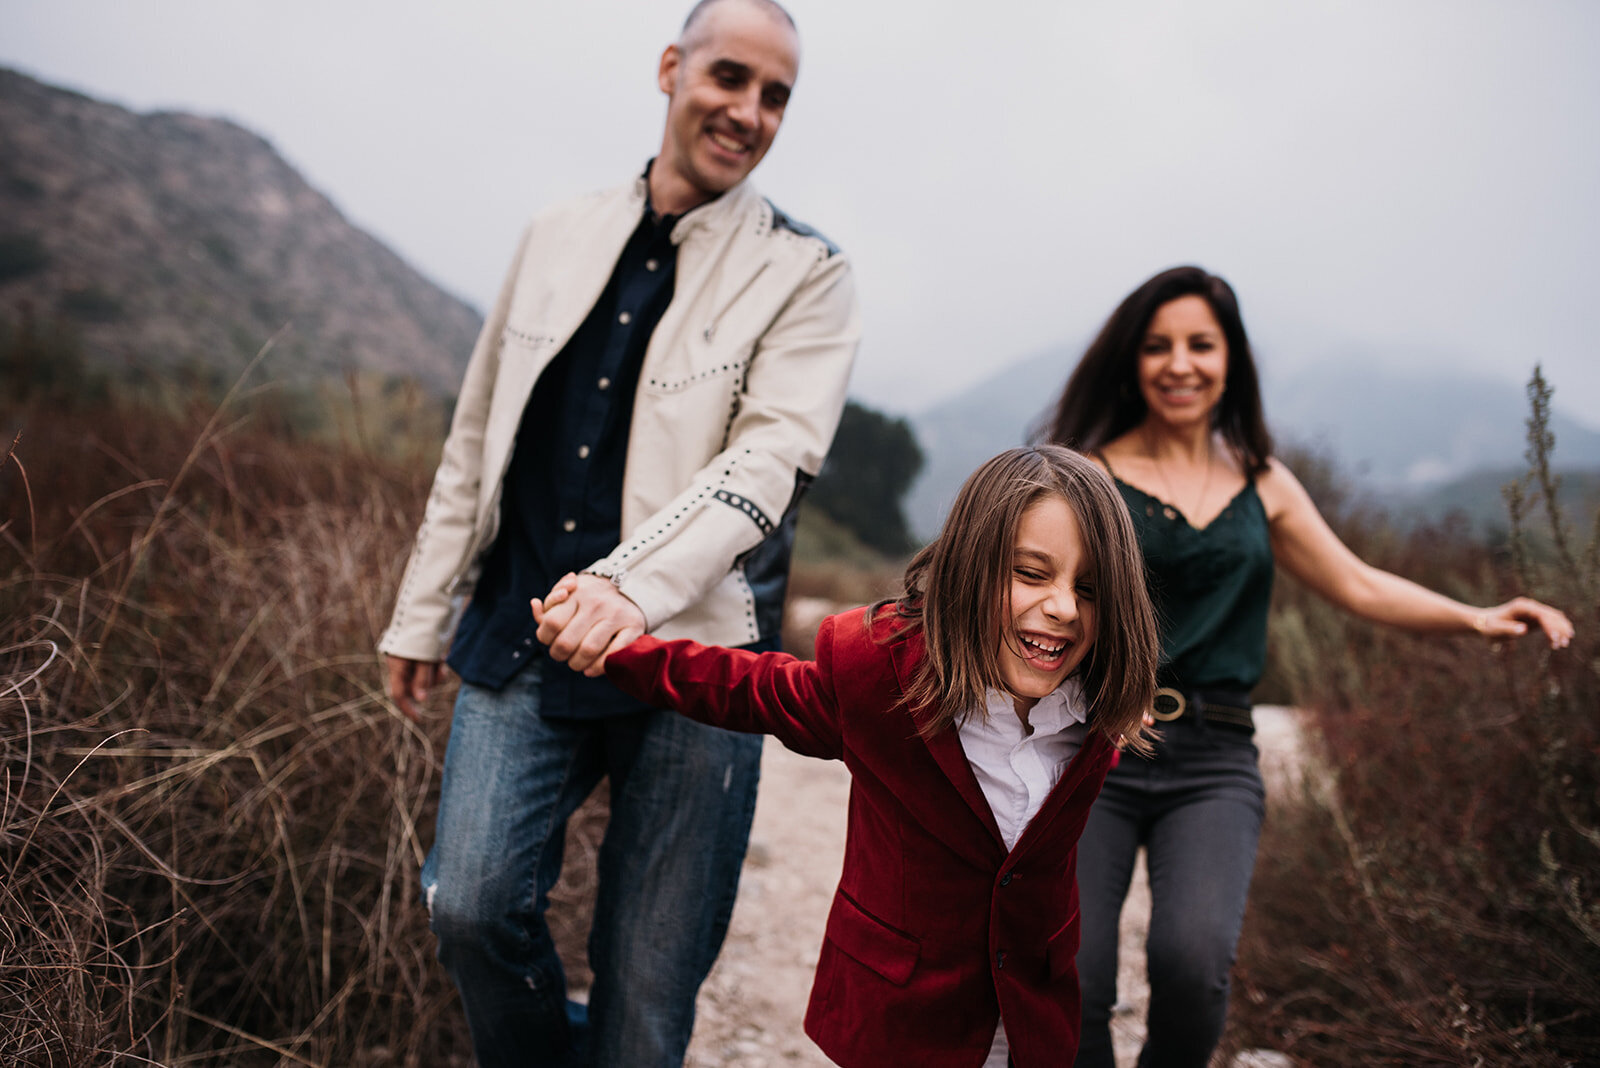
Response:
column 727, row 83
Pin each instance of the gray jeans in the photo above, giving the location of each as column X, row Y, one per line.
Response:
column 1197, row 808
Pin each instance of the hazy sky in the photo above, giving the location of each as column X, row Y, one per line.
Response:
column 1405, row 180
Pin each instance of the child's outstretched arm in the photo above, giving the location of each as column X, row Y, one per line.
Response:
column 755, row 693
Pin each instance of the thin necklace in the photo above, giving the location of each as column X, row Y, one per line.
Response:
column 1172, row 498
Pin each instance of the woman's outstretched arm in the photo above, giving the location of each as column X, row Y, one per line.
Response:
column 1309, row 550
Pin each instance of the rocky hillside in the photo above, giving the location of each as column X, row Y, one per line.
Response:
column 168, row 240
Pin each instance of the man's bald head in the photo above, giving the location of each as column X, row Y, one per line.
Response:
column 695, row 26
column 727, row 80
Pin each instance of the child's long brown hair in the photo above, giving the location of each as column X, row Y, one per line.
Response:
column 956, row 591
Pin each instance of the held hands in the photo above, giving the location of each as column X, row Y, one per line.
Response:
column 410, row 681
column 1512, row 619
column 583, row 618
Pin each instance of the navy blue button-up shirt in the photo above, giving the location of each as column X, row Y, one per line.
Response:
column 561, row 505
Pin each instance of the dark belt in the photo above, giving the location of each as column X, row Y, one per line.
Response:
column 1207, row 706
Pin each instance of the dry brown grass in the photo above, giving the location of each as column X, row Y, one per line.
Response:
column 211, row 822
column 1443, row 911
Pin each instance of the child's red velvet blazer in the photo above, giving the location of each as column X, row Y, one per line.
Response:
column 935, row 930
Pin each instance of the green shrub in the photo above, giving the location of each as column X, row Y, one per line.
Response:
column 43, row 362
column 22, row 255
column 91, row 304
column 221, row 251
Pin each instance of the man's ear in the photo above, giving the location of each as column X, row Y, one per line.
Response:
column 667, row 75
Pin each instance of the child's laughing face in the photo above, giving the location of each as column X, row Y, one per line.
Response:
column 1050, row 614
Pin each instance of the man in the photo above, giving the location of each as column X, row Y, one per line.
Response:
column 657, row 383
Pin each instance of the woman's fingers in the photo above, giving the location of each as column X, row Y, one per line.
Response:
column 1513, row 618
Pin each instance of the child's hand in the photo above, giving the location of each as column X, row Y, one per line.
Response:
column 563, row 589
column 1122, row 739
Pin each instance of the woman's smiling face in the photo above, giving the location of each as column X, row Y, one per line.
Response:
column 1049, row 621
column 1183, row 362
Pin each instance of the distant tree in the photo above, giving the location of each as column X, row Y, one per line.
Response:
column 42, row 360
column 21, row 255
column 92, row 304
column 863, row 482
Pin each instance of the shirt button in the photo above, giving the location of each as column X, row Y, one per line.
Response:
column 569, row 525
column 583, row 452
column 651, row 265
column 604, row 383
column 624, row 318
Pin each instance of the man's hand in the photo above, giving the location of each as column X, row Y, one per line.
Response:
column 409, row 682
column 583, row 618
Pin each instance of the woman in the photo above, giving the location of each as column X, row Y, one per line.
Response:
column 1166, row 399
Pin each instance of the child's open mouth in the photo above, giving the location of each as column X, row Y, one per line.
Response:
column 1043, row 651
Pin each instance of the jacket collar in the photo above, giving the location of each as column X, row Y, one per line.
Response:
column 713, row 216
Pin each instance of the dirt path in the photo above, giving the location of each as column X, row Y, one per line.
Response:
column 752, row 1006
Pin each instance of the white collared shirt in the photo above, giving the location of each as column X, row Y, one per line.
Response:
column 1017, row 767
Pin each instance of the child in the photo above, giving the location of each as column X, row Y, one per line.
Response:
column 978, row 715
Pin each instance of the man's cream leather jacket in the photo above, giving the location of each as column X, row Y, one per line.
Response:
column 740, row 392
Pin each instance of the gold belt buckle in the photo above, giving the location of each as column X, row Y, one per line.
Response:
column 1169, row 704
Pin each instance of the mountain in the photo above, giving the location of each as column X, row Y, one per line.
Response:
column 959, row 434
column 1398, row 430
column 168, row 240
column 1478, row 499
column 1398, row 434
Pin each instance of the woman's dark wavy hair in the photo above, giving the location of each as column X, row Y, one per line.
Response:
column 1102, row 401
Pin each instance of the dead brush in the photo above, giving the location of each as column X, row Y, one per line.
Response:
column 211, row 820
column 1441, row 911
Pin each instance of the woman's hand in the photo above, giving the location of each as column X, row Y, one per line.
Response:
column 1308, row 549
column 1512, row 619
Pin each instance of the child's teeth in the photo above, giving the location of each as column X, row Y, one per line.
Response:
column 1042, row 647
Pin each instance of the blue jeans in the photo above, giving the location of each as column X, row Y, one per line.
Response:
column 1197, row 809
column 682, row 796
